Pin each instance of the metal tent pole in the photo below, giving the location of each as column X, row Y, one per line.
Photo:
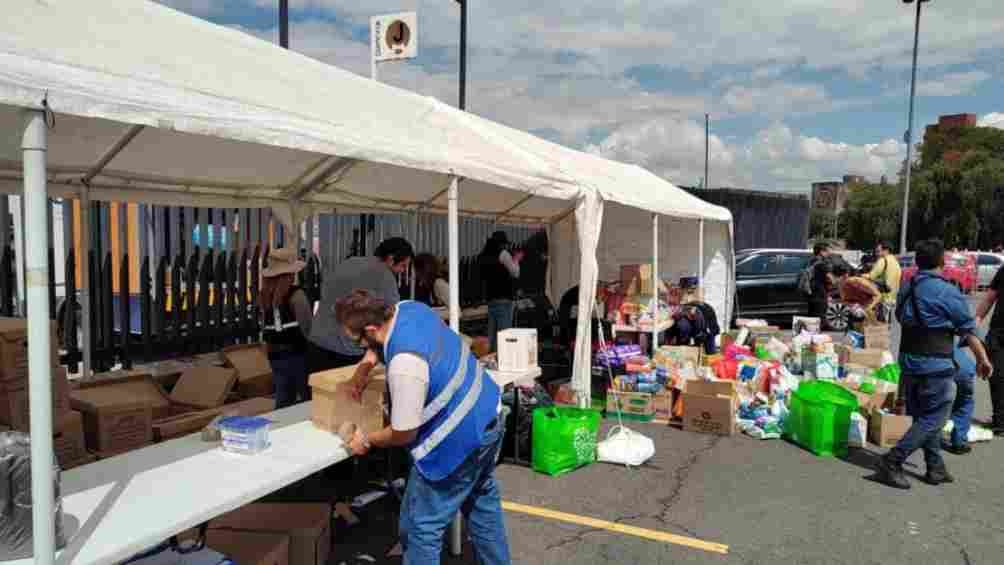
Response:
column 34, row 145
column 655, row 282
column 456, row 539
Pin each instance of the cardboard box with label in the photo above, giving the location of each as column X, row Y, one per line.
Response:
column 710, row 407
column 68, row 441
column 332, row 404
column 877, row 337
column 663, row 401
column 307, row 525
column 254, row 373
column 517, row 349
column 869, row 358
column 885, row 428
column 678, row 355
column 118, row 414
column 633, row 404
column 14, row 402
column 14, row 348
column 250, row 548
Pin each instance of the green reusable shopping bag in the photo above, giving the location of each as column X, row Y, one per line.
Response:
column 564, row 438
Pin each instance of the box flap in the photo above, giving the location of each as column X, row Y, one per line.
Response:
column 710, row 388
column 249, row 360
column 13, row 329
column 298, row 519
column 204, row 387
column 129, row 391
column 330, row 379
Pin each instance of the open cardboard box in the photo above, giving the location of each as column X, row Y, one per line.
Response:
column 332, row 405
column 710, row 407
column 308, row 526
column 254, row 373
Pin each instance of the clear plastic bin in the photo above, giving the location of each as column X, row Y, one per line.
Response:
column 246, row 435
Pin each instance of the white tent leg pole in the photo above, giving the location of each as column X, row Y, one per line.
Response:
column 34, row 146
column 655, row 282
column 85, row 280
column 700, row 255
column 453, row 218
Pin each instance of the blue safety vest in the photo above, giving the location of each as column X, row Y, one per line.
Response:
column 462, row 399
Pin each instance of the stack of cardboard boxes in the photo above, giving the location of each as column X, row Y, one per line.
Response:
column 67, row 425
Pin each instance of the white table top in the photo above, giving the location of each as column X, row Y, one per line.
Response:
column 503, row 378
column 119, row 507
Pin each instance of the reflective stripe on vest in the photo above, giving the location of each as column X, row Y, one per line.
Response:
column 446, row 428
column 445, row 395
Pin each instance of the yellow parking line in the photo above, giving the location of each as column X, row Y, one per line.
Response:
column 588, row 522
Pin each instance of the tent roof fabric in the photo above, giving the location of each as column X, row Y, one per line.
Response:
column 154, row 105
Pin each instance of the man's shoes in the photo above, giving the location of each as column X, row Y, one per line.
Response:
column 998, row 431
column 891, row 474
column 938, row 475
column 963, row 449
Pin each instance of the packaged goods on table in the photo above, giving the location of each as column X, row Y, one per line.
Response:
column 246, row 435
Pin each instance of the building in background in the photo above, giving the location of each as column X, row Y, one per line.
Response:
column 940, row 138
column 762, row 219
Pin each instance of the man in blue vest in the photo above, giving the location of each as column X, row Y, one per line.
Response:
column 932, row 312
column 446, row 410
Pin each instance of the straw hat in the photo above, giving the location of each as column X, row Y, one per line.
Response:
column 282, row 261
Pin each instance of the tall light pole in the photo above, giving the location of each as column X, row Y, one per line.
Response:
column 284, row 24
column 707, row 147
column 462, row 98
column 909, row 129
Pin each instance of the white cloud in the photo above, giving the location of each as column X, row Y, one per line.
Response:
column 992, row 120
column 777, row 99
column 952, row 84
column 777, row 158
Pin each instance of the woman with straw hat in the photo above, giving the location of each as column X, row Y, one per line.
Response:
column 286, row 317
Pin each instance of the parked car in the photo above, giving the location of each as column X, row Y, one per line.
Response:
column 767, row 287
column 960, row 268
column 987, row 265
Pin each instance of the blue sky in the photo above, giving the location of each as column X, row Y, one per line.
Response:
column 798, row 90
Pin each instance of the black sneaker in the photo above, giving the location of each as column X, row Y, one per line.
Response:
column 963, row 449
column 938, row 476
column 891, row 474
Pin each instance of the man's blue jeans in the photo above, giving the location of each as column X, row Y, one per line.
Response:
column 429, row 507
column 929, row 400
column 500, row 316
column 962, row 410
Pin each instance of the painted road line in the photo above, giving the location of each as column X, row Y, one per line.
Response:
column 588, row 522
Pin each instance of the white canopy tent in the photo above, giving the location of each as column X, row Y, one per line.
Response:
column 154, row 106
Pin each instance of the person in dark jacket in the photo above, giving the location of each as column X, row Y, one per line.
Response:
column 500, row 274
column 286, row 317
column 821, row 268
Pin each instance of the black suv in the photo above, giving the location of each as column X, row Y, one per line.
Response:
column 767, row 288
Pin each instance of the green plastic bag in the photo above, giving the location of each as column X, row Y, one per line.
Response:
column 564, row 438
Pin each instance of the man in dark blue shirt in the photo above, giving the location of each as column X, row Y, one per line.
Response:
column 932, row 313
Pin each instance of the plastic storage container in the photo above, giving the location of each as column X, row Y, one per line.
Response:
column 246, row 435
column 820, row 417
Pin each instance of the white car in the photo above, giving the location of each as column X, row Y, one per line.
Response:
column 987, row 265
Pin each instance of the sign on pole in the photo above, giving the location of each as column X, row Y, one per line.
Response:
column 393, row 37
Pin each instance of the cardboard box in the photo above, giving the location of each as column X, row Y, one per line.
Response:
column 250, row 548
column 802, row 323
column 517, row 349
column 710, row 407
column 637, row 404
column 663, row 401
column 307, row 525
column 868, row 358
column 192, row 422
column 877, row 337
column 14, row 401
column 85, row 459
column 115, row 418
column 131, row 388
column 204, row 387
column 885, row 429
column 254, row 373
column 68, row 440
column 332, row 405
column 679, row 354
column 14, row 348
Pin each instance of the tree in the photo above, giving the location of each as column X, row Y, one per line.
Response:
column 872, row 215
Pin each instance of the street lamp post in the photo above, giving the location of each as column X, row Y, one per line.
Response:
column 909, row 129
column 462, row 98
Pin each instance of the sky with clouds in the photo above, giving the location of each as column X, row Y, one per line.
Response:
column 798, row 90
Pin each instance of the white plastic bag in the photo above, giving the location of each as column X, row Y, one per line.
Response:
column 625, row 447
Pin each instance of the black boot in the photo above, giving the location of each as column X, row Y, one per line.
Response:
column 963, row 449
column 938, row 475
column 891, row 474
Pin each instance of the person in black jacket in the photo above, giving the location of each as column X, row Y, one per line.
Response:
column 499, row 274
column 286, row 318
column 821, row 267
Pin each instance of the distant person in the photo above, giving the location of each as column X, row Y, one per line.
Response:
column 932, row 313
column 860, row 293
column 286, row 319
column 962, row 408
column 329, row 347
column 431, row 286
column 995, row 341
column 499, row 274
column 887, row 274
column 815, row 287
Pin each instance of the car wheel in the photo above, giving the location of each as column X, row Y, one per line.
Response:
column 838, row 316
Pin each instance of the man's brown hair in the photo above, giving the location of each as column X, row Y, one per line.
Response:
column 361, row 309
